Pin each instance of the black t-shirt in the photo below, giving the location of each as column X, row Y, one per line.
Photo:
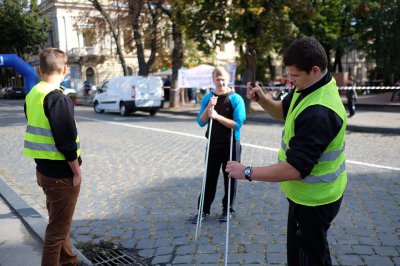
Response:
column 220, row 133
column 314, row 129
column 59, row 110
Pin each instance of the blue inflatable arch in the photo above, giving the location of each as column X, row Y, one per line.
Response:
column 26, row 70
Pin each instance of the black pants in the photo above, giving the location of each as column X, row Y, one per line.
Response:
column 219, row 156
column 307, row 229
column 351, row 104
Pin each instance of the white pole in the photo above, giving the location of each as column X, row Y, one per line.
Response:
column 228, row 205
column 203, row 186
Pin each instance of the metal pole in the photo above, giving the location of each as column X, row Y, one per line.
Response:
column 228, row 205
column 203, row 186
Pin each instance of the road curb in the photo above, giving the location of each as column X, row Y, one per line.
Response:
column 32, row 220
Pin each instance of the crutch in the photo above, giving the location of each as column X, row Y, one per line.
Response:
column 229, row 204
column 203, row 186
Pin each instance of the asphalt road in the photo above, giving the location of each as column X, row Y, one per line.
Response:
column 142, row 176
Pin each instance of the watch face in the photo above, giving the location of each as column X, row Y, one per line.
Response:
column 247, row 171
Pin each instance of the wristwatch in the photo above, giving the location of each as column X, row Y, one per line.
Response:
column 247, row 173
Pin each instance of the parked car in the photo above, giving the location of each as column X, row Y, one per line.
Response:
column 130, row 93
column 2, row 92
column 14, row 93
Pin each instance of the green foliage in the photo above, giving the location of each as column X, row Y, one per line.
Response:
column 22, row 28
column 378, row 27
column 328, row 22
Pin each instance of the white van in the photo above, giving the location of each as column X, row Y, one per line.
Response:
column 130, row 93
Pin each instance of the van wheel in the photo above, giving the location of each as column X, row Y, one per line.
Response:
column 97, row 109
column 123, row 110
column 153, row 112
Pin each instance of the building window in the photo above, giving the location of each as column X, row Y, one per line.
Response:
column 89, row 37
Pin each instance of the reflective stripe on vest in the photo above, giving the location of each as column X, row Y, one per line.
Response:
column 313, row 179
column 326, row 156
column 39, row 131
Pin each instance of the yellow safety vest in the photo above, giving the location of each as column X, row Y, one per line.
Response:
column 328, row 178
column 39, row 142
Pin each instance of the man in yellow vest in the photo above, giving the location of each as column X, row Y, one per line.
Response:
column 52, row 139
column 311, row 167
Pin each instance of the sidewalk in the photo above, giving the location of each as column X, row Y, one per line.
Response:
column 22, row 231
column 18, row 246
column 375, row 113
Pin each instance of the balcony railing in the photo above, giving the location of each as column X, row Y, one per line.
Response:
column 88, row 51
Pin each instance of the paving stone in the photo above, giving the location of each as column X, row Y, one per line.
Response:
column 164, row 250
column 389, row 239
column 147, row 253
column 349, row 260
column 275, row 258
column 185, row 250
column 207, row 258
column 276, row 248
column 377, row 260
column 386, row 251
column 251, row 258
column 145, row 244
column 363, row 250
column 183, row 259
column 161, row 259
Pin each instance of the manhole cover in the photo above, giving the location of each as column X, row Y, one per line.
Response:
column 112, row 255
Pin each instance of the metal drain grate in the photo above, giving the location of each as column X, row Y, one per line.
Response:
column 117, row 257
column 110, row 254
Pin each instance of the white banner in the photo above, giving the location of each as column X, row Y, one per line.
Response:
column 201, row 76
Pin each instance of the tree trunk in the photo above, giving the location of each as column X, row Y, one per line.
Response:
column 135, row 9
column 338, row 61
column 177, row 59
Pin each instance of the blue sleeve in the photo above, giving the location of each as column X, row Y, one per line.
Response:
column 239, row 112
column 204, row 103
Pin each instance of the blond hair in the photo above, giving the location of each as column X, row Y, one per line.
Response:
column 52, row 60
column 221, row 71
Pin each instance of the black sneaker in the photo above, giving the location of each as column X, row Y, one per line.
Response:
column 224, row 216
column 203, row 217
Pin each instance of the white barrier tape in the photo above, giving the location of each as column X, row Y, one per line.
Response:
column 340, row 88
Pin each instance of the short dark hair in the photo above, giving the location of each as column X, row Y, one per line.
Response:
column 52, row 60
column 304, row 53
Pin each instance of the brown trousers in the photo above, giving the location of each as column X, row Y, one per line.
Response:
column 61, row 199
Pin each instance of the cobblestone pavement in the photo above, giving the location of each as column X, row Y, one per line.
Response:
column 142, row 176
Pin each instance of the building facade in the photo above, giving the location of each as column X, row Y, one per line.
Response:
column 79, row 29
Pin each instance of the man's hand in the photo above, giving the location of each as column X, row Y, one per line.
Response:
column 213, row 114
column 254, row 93
column 235, row 170
column 76, row 180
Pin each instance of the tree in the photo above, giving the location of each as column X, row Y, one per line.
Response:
column 326, row 22
column 175, row 11
column 115, row 31
column 259, row 25
column 378, row 27
column 262, row 26
column 139, row 10
column 22, row 28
